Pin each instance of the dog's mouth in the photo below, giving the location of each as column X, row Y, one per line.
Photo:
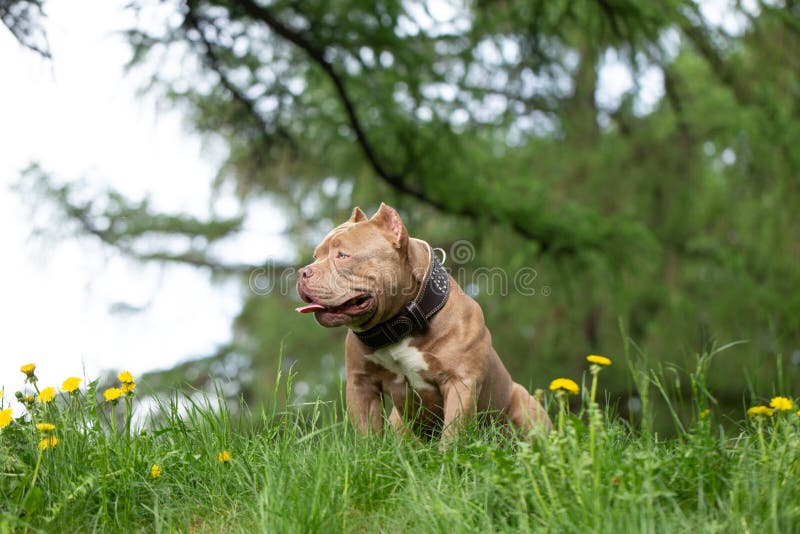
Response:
column 353, row 306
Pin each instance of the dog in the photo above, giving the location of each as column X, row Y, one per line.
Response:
column 414, row 335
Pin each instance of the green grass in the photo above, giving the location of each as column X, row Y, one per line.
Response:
column 306, row 471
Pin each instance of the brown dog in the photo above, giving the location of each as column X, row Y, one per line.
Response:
column 414, row 334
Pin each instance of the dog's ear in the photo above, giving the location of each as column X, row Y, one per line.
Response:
column 389, row 219
column 357, row 216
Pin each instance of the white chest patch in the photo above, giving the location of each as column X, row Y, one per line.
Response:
column 404, row 361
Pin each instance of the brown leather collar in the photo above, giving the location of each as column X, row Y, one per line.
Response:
column 414, row 316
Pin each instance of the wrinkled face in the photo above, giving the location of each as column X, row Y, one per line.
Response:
column 354, row 266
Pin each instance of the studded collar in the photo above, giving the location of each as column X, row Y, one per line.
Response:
column 414, row 316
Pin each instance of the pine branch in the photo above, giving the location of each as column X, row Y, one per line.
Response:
column 22, row 18
column 548, row 241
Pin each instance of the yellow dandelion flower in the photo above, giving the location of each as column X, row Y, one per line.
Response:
column 70, row 384
column 781, row 404
column 566, row 385
column 155, row 471
column 5, row 417
column 756, row 411
column 28, row 368
column 46, row 427
column 48, row 443
column 128, row 387
column 705, row 413
column 125, row 377
column 47, row 394
column 112, row 394
column 598, row 360
column 224, row 457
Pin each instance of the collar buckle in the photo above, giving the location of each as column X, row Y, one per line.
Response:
column 418, row 315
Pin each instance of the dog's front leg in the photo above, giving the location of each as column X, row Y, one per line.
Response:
column 364, row 395
column 364, row 403
column 460, row 397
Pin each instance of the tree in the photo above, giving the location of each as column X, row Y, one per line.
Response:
column 23, row 18
column 482, row 122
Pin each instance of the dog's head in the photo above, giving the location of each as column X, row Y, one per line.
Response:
column 361, row 273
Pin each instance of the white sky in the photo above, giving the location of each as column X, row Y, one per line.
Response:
column 79, row 116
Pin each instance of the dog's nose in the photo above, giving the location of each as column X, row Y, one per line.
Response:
column 307, row 272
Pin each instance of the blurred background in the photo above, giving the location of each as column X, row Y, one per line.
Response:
column 169, row 164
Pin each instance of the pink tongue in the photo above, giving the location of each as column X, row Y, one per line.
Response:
column 310, row 308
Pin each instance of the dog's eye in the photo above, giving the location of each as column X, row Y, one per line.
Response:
column 342, row 255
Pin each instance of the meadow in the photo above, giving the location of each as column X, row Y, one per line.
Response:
column 79, row 459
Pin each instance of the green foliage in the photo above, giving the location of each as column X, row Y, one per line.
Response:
column 23, row 18
column 126, row 224
column 485, row 122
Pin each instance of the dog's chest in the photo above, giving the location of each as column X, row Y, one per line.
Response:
column 403, row 360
